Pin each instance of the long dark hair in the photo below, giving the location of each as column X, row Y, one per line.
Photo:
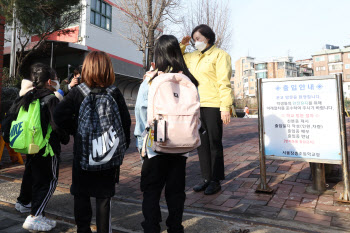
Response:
column 39, row 75
column 167, row 54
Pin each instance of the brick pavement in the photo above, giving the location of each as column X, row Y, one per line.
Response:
column 289, row 179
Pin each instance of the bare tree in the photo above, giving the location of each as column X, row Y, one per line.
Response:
column 40, row 18
column 214, row 13
column 143, row 22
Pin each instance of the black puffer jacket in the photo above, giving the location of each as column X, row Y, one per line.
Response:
column 97, row 183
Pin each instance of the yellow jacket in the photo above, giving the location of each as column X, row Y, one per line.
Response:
column 213, row 72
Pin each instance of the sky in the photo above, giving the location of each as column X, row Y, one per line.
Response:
column 275, row 28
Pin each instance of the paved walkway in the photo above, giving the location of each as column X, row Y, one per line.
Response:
column 289, row 203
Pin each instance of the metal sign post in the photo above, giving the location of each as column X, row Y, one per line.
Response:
column 262, row 187
column 344, row 197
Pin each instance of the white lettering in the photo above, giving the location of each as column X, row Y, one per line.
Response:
column 96, row 147
column 112, row 133
column 104, row 143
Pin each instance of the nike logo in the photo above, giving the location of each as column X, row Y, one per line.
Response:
column 16, row 130
column 108, row 156
column 13, row 140
column 101, row 145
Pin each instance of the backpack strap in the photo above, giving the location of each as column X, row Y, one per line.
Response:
column 111, row 89
column 48, row 148
column 47, row 99
column 84, row 89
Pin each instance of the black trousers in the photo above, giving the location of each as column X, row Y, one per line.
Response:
column 83, row 214
column 159, row 171
column 39, row 182
column 211, row 154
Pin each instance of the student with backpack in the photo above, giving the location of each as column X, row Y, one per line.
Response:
column 167, row 128
column 30, row 129
column 95, row 113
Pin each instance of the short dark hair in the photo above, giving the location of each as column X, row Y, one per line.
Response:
column 77, row 70
column 206, row 31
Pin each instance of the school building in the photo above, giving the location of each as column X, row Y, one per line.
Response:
column 99, row 29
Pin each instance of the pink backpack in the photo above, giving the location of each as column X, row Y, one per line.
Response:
column 173, row 114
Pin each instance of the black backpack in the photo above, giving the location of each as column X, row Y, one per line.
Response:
column 100, row 131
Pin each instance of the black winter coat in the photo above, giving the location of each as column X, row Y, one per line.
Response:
column 99, row 184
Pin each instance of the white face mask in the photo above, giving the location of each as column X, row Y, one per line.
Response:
column 200, row 45
column 57, row 84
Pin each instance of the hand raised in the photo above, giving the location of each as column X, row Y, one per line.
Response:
column 186, row 40
column 74, row 82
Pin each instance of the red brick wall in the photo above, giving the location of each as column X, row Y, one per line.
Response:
column 2, row 34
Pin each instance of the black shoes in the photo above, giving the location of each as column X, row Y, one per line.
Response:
column 213, row 187
column 201, row 186
column 209, row 187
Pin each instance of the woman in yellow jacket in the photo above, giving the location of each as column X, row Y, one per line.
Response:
column 212, row 68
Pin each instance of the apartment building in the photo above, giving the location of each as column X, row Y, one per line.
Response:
column 244, row 79
column 281, row 67
column 248, row 70
column 99, row 29
column 334, row 60
column 304, row 67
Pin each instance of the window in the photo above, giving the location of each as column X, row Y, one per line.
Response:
column 251, row 88
column 290, row 66
column 261, row 75
column 348, row 55
column 248, row 73
column 261, row 66
column 335, row 67
column 347, row 66
column 319, row 58
column 280, row 65
column 101, row 14
column 251, row 79
column 348, row 76
column 334, row 58
column 319, row 68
